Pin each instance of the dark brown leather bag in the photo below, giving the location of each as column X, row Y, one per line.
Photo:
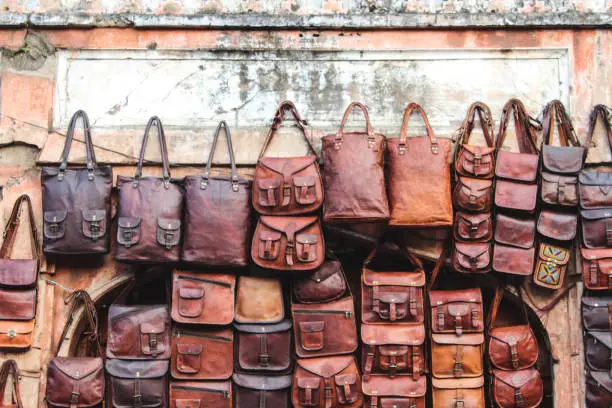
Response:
column 217, row 214
column 514, row 248
column 10, row 368
column 326, row 284
column 139, row 333
column 472, row 160
column 598, row 389
column 473, row 195
column 557, row 226
column 259, row 301
column 419, row 177
column 287, row 185
column 353, row 175
column 598, row 351
column 596, row 186
column 208, row 394
column 330, row 382
column 203, row 298
column 76, row 201
column 140, row 383
column 597, row 313
column 150, row 210
column 202, row 353
column 458, row 392
column 596, row 228
column 472, row 257
column 597, row 268
column 517, row 389
column 288, row 243
column 263, row 347
column 399, row 392
column 473, row 227
column 262, row 391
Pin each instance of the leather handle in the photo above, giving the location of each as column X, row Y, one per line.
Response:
column 91, row 157
column 10, row 229
column 435, row 272
column 77, row 299
column 486, row 123
column 8, row 367
column 154, row 120
column 410, row 109
column 228, row 138
column 555, row 114
column 524, row 127
column 347, row 114
column 599, row 111
column 409, row 255
column 497, row 299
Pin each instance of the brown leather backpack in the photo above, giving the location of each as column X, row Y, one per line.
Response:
column 327, row 283
column 208, row 394
column 217, row 214
column 383, row 392
column 262, row 391
column 10, row 368
column 259, row 300
column 76, row 201
column 287, row 185
column 353, row 174
column 517, row 389
column 597, row 268
column 138, row 383
column 458, row 392
column 199, row 298
column 263, row 347
column 150, row 210
column 472, row 160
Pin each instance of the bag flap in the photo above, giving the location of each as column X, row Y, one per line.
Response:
column 555, row 178
column 515, row 232
column 187, row 403
column 474, row 219
column 152, row 327
column 345, row 304
column 408, row 335
column 596, row 214
column 562, row 159
column 94, row 215
column 557, row 225
column 595, row 178
column 326, row 270
column 326, row 367
column 286, row 165
column 191, row 293
column 511, row 334
column 189, row 349
column 312, row 327
column 129, row 222
column 348, row 379
column 477, row 187
column 469, row 339
column 399, row 386
column 603, row 379
column 371, row 278
column 393, row 350
column 473, row 250
column 262, row 382
column 602, row 337
column 267, row 183
column 55, row 216
column 136, row 368
column 17, row 327
column 304, row 181
column 602, row 256
column 306, row 239
column 77, row 367
column 558, row 255
column 309, row 382
column 18, row 272
column 517, row 166
column 267, row 235
column 484, row 152
column 601, row 302
column 264, row 328
column 443, row 297
column 516, row 379
column 285, row 224
column 457, row 383
column 168, row 224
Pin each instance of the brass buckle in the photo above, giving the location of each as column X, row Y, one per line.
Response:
column 54, row 228
column 457, row 368
column 12, row 333
column 74, row 397
column 264, row 359
column 434, row 148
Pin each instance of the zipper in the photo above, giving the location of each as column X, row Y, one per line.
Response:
column 347, row 313
column 177, row 333
column 213, row 282
column 135, row 311
column 226, row 394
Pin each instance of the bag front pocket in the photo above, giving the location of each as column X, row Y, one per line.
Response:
column 559, row 190
column 312, row 335
column 269, row 191
column 269, row 245
column 168, row 232
column 94, row 223
column 346, row 388
column 306, row 247
column 473, row 227
column 512, row 260
column 128, row 231
column 54, row 224
column 595, row 189
column 393, row 358
column 190, row 301
column 305, row 192
column 188, row 358
column 391, row 306
column 150, row 334
column 309, row 391
column 472, row 257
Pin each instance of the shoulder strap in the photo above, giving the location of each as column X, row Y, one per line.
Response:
column 162, row 147
column 497, row 299
column 411, row 108
column 486, row 123
column 599, row 111
column 409, row 255
column 10, row 367
column 347, row 113
column 279, row 117
column 10, row 229
column 77, row 299
column 91, row 157
column 228, row 138
column 554, row 115
column 438, row 266
column 524, row 126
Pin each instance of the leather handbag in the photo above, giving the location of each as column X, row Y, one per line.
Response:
column 76, row 201
column 472, row 257
column 139, row 333
column 325, row 329
column 597, row 313
column 331, row 382
column 202, row 353
column 598, row 389
column 393, row 350
column 473, row 160
column 596, row 228
column 558, row 226
column 455, row 356
column 402, row 391
column 208, row 394
column 150, row 210
column 138, row 383
column 18, row 304
column 551, row 265
column 473, row 195
column 263, row 347
column 419, row 177
column 262, row 391
column 353, row 175
column 10, row 368
column 517, row 389
column 597, row 268
column 15, row 335
column 199, row 298
column 458, row 392
column 327, row 283
column 288, row 243
column 287, row 185
column 596, row 186
column 456, row 311
column 259, row 301
column 598, row 350
column 473, row 227
column 514, row 248
column 217, row 214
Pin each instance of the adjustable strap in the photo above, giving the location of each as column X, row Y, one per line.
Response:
column 290, row 247
column 375, row 299
column 458, row 325
column 10, row 229
column 75, row 395
column 153, row 343
column 458, row 365
column 412, row 301
column 374, row 401
column 369, row 362
column 264, row 357
column 475, row 317
column 228, row 138
column 328, row 393
column 263, row 397
column 10, row 367
column 514, row 355
column 518, row 398
column 441, row 317
column 593, row 269
column 459, row 399
column 416, row 362
column 137, row 397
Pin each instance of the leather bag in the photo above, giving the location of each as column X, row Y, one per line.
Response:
column 263, row 347
column 597, row 313
column 473, row 195
column 10, row 368
column 455, row 356
column 517, row 389
column 598, row 389
column 76, row 201
column 202, row 353
column 514, row 248
column 331, row 382
column 419, row 177
column 217, row 214
column 199, row 298
column 327, row 283
column 558, row 226
column 472, row 160
column 259, row 301
column 551, row 265
column 353, row 175
column 16, row 336
column 598, row 351
column 150, row 210
column 18, row 304
column 138, row 333
column 456, row 311
column 473, row 227
column 208, row 394
column 472, row 257
column 288, row 243
column 597, row 268
column 262, row 391
column 400, row 392
column 139, row 383
column 287, row 185
column 458, row 392
column 596, row 228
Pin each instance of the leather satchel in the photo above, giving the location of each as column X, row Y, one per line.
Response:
column 514, row 248
column 262, row 391
column 558, row 226
column 455, row 356
column 597, row 313
column 473, row 195
column 10, row 368
column 287, row 185
column 472, row 257
column 473, row 227
column 288, row 243
column 199, row 298
column 263, row 347
column 393, row 350
column 259, row 301
column 217, row 214
column 327, row 283
column 16, row 336
column 472, row 160
column 150, row 210
column 596, row 186
column 551, row 265
column 419, row 177
column 208, row 394
column 597, row 268
column 384, row 392
column 598, row 350
column 598, row 389
column 596, row 228
column 76, row 201
column 517, row 389
column 138, row 383
column 353, row 175
column 458, row 392
column 331, row 382
column 202, row 353
column 139, row 333
column 456, row 311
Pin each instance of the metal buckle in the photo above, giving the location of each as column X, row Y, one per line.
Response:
column 264, row 359
column 12, row 333
column 60, row 175
column 434, row 148
column 127, row 237
column 235, row 185
column 137, row 400
column 54, row 228
column 473, row 229
column 401, row 149
column 90, row 174
column 459, row 404
column 94, row 227
column 477, row 161
column 74, row 397
column 457, row 368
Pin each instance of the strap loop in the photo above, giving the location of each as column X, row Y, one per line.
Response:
column 412, row 107
column 154, row 120
column 228, row 138
column 91, row 157
column 10, row 367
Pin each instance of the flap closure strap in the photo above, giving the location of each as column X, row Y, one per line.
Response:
column 457, row 312
column 392, row 299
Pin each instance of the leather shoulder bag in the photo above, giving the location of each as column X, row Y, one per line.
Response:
column 473, row 160
column 517, row 389
column 10, row 368
column 150, row 210
column 597, row 351
column 76, row 201
column 264, row 348
column 598, row 389
column 217, row 214
column 262, row 391
column 287, row 185
column 327, row 283
column 419, row 177
column 353, row 174
column 384, row 392
column 458, row 392
column 597, row 268
column 597, row 313
column 138, row 383
column 209, row 394
column 259, row 301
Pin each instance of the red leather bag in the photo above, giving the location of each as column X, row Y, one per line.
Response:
column 264, row 348
column 472, row 257
column 597, row 268
column 517, row 389
column 262, row 391
column 473, row 227
column 514, row 248
column 472, row 160
column 138, row 383
column 10, row 368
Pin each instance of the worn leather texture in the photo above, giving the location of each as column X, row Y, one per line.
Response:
column 139, row 332
column 559, row 226
column 325, row 329
column 473, row 195
column 510, row 195
column 595, row 189
column 327, row 283
column 142, row 383
column 202, row 353
column 197, row 394
column 473, row 160
column 18, row 304
column 456, row 311
column 473, row 227
column 519, row 167
column 399, row 392
column 596, row 228
column 517, row 389
column 16, row 335
column 513, row 260
column 75, row 382
column 559, row 190
column 288, row 243
column 18, row 273
column 472, row 257
column 203, row 298
column 331, row 382
column 515, row 231
column 598, row 351
column 353, row 175
column 458, row 392
column 262, row 391
column 263, row 347
column 512, row 347
column 597, row 313
column 259, row 300
column 455, row 356
column 598, row 389
column 597, row 268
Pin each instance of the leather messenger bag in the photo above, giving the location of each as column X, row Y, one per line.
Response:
column 201, row 394
column 597, row 268
column 473, row 160
column 262, row 391
column 10, row 368
column 327, row 283
column 597, row 313
column 401, row 392
column 264, row 348
column 517, row 389
column 259, row 301
column 138, row 383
